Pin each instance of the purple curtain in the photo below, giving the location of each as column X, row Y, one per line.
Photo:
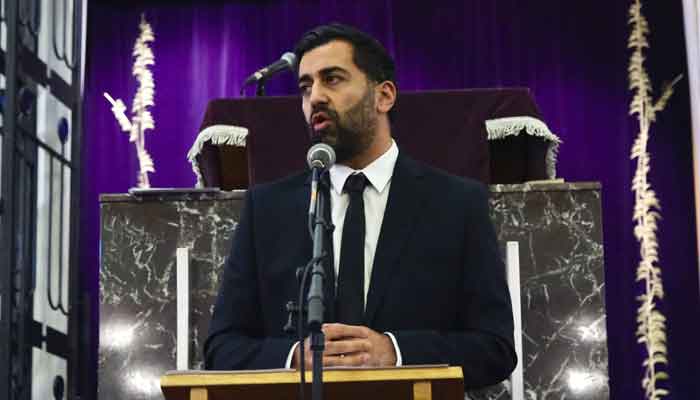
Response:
column 572, row 55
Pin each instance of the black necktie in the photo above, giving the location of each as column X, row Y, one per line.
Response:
column 350, row 299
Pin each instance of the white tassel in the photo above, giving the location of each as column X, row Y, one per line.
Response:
column 229, row 135
column 500, row 128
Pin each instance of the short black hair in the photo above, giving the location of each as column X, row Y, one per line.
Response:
column 368, row 54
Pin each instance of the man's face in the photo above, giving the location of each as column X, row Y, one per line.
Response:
column 337, row 99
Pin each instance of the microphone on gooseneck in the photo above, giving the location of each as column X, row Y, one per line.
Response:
column 287, row 61
column 320, row 158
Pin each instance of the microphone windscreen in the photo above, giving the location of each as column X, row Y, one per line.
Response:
column 290, row 58
column 320, row 155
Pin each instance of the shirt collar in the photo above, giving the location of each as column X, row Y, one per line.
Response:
column 378, row 172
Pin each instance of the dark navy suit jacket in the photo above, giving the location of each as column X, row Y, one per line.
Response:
column 438, row 282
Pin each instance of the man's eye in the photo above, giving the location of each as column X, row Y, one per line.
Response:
column 304, row 90
column 332, row 79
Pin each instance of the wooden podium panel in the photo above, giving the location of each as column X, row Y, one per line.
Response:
column 419, row 383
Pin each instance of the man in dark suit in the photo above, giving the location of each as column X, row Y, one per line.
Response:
column 415, row 272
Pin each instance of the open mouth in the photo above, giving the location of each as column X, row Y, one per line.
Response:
column 320, row 121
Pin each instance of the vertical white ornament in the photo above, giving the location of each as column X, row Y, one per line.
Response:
column 141, row 118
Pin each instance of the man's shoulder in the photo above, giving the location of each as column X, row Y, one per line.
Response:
column 442, row 180
column 289, row 183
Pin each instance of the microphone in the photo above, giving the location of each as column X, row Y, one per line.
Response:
column 320, row 157
column 287, row 61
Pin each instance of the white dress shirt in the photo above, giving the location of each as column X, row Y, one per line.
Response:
column 375, row 196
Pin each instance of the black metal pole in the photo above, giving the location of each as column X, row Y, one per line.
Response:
column 315, row 298
column 82, row 351
column 317, row 346
column 260, row 88
column 8, row 205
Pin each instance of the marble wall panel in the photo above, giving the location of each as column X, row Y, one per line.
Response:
column 559, row 231
column 138, row 308
column 558, row 228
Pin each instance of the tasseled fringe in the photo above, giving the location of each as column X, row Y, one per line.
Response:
column 216, row 134
column 501, row 128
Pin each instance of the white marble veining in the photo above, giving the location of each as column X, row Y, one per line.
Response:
column 558, row 229
column 562, row 289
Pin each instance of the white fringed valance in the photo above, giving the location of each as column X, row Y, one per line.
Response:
column 501, row 128
column 216, row 134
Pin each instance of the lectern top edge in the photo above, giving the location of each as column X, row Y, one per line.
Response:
column 286, row 376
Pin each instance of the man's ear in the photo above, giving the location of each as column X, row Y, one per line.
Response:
column 385, row 96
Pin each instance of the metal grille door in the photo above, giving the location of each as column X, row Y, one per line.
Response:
column 40, row 95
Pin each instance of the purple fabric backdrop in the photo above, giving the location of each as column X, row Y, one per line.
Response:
column 571, row 54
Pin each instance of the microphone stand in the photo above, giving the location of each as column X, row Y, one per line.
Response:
column 315, row 296
column 320, row 157
column 260, row 88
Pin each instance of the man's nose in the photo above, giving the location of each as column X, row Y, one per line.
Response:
column 318, row 94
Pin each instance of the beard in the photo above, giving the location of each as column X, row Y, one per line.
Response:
column 350, row 133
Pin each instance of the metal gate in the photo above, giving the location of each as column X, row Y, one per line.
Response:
column 41, row 60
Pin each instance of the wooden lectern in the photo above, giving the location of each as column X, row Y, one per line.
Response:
column 412, row 382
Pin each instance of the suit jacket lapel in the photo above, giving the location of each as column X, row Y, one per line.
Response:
column 301, row 200
column 402, row 209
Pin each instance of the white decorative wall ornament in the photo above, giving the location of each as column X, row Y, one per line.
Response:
column 500, row 128
column 141, row 118
column 651, row 323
